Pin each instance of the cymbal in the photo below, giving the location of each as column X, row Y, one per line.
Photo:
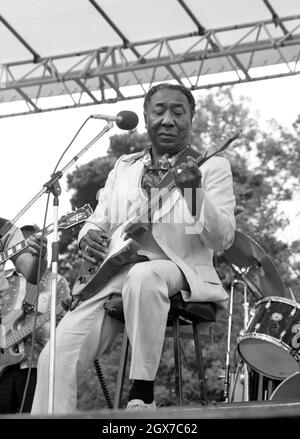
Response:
column 248, row 259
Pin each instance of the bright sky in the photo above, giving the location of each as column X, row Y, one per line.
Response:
column 32, row 144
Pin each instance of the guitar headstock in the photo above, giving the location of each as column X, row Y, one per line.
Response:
column 225, row 140
column 73, row 218
column 220, row 145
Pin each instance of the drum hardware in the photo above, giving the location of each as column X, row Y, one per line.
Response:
column 241, row 372
column 242, row 380
column 292, row 294
column 239, row 384
column 242, row 272
column 296, row 356
column 227, row 363
column 282, row 334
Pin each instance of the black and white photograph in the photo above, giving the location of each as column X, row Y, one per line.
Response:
column 150, row 214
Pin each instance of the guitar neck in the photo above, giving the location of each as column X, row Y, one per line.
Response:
column 18, row 335
column 17, row 248
column 65, row 222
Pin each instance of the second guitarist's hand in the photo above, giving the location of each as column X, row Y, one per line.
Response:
column 34, row 244
column 94, row 245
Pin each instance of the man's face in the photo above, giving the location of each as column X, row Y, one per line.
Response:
column 168, row 121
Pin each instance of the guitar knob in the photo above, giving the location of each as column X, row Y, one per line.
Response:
column 82, row 279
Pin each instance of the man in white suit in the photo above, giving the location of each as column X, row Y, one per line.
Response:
column 194, row 220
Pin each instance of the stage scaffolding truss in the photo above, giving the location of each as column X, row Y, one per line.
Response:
column 200, row 59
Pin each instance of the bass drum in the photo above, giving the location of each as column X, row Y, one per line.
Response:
column 288, row 390
column 271, row 342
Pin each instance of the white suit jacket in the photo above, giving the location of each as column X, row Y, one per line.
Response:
column 189, row 243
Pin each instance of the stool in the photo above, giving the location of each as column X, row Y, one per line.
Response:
column 181, row 313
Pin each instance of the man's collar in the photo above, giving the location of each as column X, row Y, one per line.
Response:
column 166, row 161
column 163, row 162
column 146, row 156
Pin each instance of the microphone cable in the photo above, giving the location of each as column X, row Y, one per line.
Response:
column 103, row 383
column 71, row 142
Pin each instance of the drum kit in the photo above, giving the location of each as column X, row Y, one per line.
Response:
column 267, row 353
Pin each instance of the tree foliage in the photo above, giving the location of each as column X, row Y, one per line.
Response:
column 265, row 171
column 87, row 179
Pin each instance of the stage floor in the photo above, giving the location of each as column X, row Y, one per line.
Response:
column 235, row 410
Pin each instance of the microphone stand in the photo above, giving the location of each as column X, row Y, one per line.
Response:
column 53, row 186
column 246, row 320
column 227, row 365
column 229, row 395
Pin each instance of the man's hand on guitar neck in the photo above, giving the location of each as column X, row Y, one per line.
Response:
column 94, row 245
column 187, row 175
column 34, row 244
column 188, row 179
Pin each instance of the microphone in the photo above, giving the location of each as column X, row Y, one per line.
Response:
column 126, row 120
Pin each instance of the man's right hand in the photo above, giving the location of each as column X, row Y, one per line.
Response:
column 94, row 245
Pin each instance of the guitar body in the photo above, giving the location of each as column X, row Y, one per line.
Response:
column 91, row 277
column 10, row 356
column 11, row 336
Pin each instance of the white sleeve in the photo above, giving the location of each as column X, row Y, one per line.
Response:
column 100, row 218
column 216, row 224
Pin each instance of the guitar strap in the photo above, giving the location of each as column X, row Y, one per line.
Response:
column 30, row 298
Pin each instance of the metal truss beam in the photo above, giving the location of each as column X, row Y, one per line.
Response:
column 241, row 53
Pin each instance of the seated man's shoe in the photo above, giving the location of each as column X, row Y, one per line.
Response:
column 138, row 404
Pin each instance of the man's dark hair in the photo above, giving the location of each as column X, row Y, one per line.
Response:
column 166, row 85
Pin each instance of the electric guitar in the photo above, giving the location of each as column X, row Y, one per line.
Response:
column 124, row 240
column 12, row 336
column 65, row 222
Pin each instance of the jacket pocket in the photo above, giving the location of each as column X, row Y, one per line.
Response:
column 208, row 274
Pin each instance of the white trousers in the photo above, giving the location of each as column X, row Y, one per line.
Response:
column 87, row 331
